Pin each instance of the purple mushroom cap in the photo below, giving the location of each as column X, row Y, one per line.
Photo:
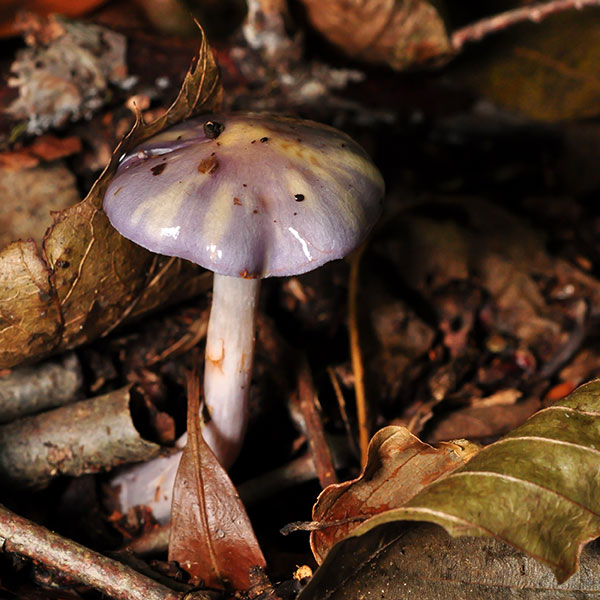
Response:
column 247, row 195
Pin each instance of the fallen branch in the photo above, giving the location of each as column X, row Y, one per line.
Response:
column 534, row 13
column 21, row 536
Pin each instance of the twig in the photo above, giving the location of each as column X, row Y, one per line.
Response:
column 30, row 390
column 342, row 404
column 308, row 408
column 23, row 537
column 535, row 13
column 86, row 437
column 362, row 413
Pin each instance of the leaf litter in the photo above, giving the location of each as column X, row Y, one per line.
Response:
column 536, row 489
column 521, row 342
column 88, row 279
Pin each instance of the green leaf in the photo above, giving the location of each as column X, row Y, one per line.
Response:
column 90, row 279
column 537, row 489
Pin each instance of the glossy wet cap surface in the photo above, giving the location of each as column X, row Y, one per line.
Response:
column 247, row 195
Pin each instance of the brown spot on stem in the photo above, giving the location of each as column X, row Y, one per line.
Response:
column 217, row 361
column 237, row 201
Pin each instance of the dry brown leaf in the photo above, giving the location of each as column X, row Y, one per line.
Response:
column 398, row 467
column 11, row 9
column 398, row 33
column 26, row 297
column 211, row 535
column 539, row 70
column 93, row 279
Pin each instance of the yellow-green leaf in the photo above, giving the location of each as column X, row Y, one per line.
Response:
column 537, row 489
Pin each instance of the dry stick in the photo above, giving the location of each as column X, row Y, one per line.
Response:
column 308, row 406
column 356, row 355
column 23, row 537
column 535, row 13
column 342, row 405
column 30, row 390
column 85, row 437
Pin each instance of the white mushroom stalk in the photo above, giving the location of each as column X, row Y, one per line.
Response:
column 228, row 364
column 247, row 196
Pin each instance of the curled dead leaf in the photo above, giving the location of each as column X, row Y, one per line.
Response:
column 399, row 466
column 399, row 33
column 536, row 489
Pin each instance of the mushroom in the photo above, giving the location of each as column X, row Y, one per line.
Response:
column 246, row 196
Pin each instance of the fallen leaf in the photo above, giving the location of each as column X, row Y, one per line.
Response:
column 474, row 242
column 518, row 68
column 399, row 466
column 485, row 421
column 536, row 489
column 94, row 279
column 211, row 535
column 419, row 561
column 398, row 33
column 30, row 319
column 10, row 9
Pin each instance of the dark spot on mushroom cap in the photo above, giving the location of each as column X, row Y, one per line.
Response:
column 213, row 129
column 255, row 211
column 264, row 139
column 299, row 197
column 237, row 201
column 158, row 169
column 208, row 165
column 244, row 185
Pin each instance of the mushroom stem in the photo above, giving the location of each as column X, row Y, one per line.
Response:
column 228, row 364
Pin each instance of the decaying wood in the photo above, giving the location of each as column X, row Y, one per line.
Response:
column 21, row 536
column 29, row 390
column 85, row 437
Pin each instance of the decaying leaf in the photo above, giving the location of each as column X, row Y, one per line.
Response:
column 90, row 279
column 477, row 241
column 399, row 466
column 211, row 535
column 539, row 71
column 420, row 561
column 536, row 489
column 398, row 33
column 11, row 11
